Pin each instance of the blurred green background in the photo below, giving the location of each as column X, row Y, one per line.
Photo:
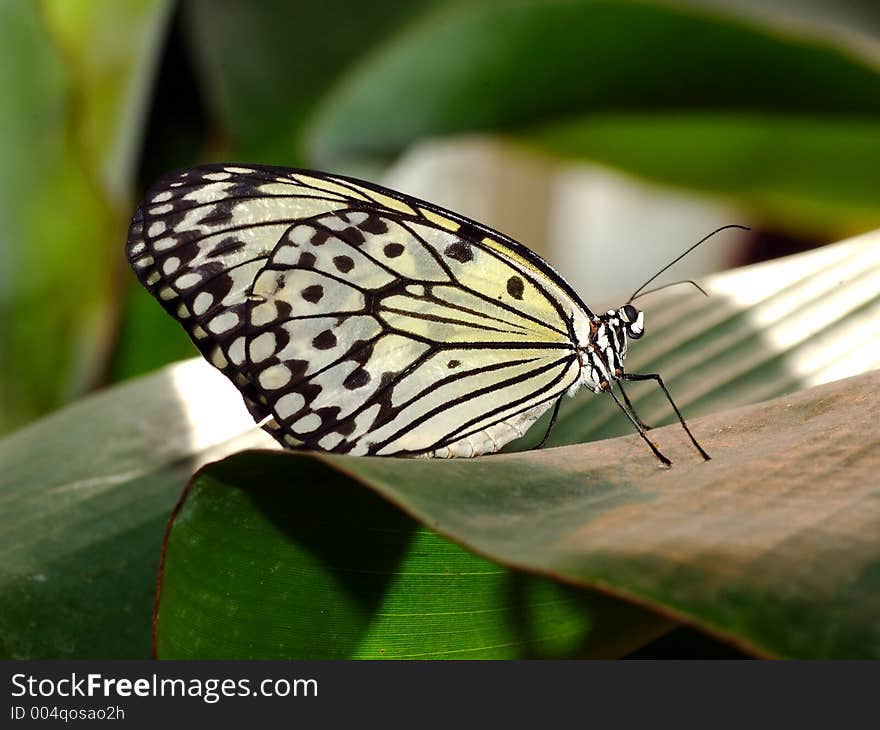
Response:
column 580, row 126
column 607, row 135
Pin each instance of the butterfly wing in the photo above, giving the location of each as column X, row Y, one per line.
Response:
column 353, row 318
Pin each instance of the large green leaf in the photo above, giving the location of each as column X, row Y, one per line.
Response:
column 686, row 96
column 774, row 544
column 84, row 497
column 75, row 78
column 323, row 569
column 277, row 555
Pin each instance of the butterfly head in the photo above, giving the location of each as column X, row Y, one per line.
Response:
column 606, row 350
column 632, row 318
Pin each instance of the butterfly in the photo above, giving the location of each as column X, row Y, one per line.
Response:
column 355, row 319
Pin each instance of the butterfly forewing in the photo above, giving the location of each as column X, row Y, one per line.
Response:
column 355, row 319
column 199, row 240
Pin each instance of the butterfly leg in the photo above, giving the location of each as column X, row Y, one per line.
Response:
column 552, row 423
column 632, row 409
column 663, row 459
column 656, row 376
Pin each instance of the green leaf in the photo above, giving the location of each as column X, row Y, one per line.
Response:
column 277, row 555
column 317, row 567
column 692, row 97
column 265, row 64
column 813, row 174
column 773, row 544
column 79, row 82
column 85, row 495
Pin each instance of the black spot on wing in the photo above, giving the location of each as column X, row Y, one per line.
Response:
column 284, row 309
column 313, row 293
column 460, row 251
column 325, row 340
column 343, row 264
column 306, row 260
column 515, row 287
column 351, row 236
column 373, row 224
column 319, row 237
column 346, row 427
column 357, row 379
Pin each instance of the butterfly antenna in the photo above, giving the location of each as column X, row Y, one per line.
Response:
column 666, row 286
column 681, row 256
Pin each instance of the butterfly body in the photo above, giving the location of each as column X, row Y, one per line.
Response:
column 354, row 319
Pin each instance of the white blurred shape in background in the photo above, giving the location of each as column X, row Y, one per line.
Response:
column 606, row 232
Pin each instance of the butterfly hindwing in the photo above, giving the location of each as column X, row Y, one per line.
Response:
column 355, row 319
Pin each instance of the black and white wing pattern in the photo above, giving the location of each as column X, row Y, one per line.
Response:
column 355, row 319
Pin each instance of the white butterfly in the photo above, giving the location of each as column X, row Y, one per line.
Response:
column 355, row 319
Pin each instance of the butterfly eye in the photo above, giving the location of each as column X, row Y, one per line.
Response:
column 629, row 313
column 634, row 320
